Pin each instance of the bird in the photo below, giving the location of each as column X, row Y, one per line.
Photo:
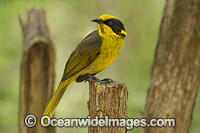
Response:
column 97, row 51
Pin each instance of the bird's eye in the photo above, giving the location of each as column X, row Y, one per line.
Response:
column 110, row 23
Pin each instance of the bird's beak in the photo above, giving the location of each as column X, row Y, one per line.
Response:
column 97, row 20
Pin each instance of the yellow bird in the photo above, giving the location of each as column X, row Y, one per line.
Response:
column 94, row 53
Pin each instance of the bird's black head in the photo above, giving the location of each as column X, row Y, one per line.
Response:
column 114, row 23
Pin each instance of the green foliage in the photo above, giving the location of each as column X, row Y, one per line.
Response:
column 69, row 22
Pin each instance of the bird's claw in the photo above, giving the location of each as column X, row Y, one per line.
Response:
column 106, row 81
column 103, row 81
column 92, row 78
column 95, row 79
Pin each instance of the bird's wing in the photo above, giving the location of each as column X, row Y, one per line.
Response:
column 84, row 54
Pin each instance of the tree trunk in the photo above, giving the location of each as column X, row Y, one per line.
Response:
column 175, row 75
column 37, row 70
column 108, row 100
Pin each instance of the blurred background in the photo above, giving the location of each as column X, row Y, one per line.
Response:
column 69, row 22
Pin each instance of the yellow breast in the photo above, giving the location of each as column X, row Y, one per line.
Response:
column 110, row 50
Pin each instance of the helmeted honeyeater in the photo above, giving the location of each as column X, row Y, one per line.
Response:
column 94, row 53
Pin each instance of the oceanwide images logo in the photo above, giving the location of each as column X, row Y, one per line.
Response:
column 46, row 121
column 85, row 122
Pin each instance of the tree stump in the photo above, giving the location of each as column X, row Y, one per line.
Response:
column 37, row 69
column 108, row 100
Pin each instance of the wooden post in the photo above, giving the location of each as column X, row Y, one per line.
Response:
column 37, row 69
column 108, row 100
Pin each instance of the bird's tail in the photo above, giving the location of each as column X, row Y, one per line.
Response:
column 49, row 111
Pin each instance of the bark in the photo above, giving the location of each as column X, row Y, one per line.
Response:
column 175, row 75
column 108, row 100
column 37, row 69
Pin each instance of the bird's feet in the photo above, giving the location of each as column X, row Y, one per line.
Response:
column 95, row 79
column 92, row 78
column 106, row 81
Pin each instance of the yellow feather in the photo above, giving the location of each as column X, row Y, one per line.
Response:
column 57, row 97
